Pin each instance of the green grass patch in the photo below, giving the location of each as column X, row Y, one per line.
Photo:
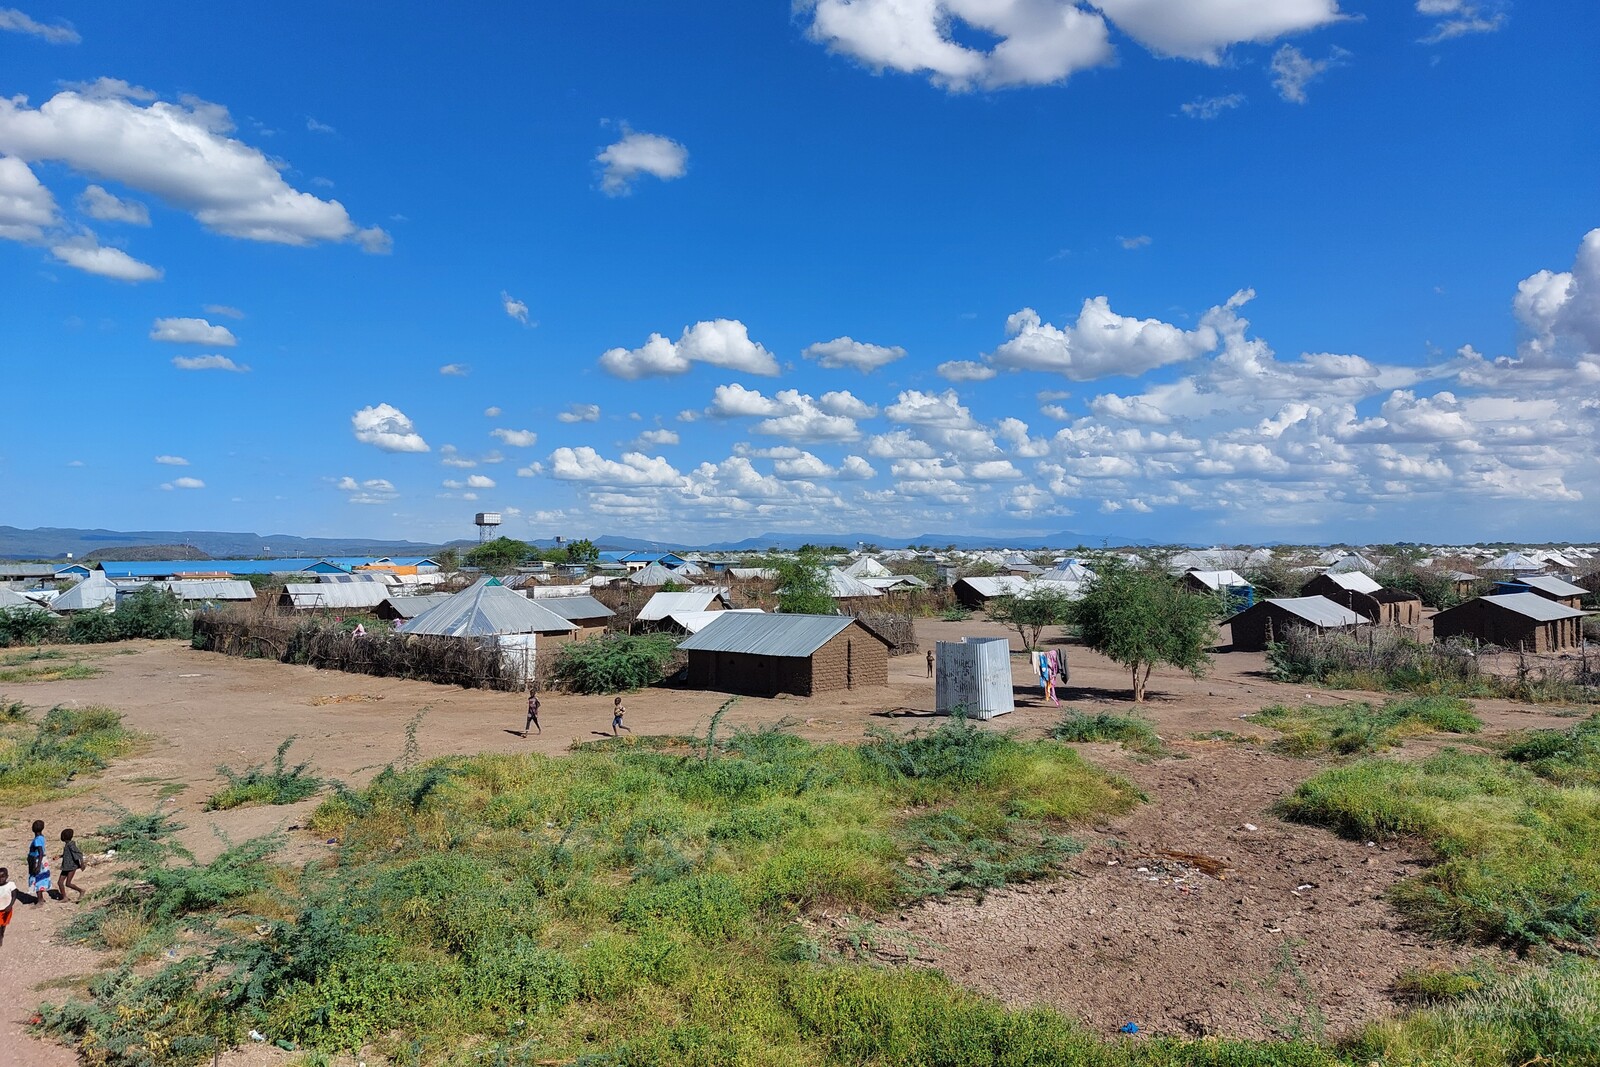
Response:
column 1518, row 856
column 279, row 784
column 1566, row 757
column 1357, row 728
column 41, row 758
column 633, row 900
column 1135, row 734
column 44, row 666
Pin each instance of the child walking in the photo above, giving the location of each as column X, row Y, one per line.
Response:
column 617, row 711
column 8, row 901
column 71, row 864
column 533, row 714
column 38, row 864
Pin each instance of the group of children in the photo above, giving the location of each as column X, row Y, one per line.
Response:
column 39, row 888
column 617, row 711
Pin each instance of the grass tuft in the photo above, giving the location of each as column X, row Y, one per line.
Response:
column 39, row 759
column 1137, row 735
column 1359, row 728
column 258, row 785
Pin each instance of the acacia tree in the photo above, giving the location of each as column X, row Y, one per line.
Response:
column 500, row 555
column 1030, row 612
column 1140, row 616
column 803, row 585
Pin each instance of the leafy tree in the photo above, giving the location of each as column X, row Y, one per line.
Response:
column 582, row 551
column 614, row 663
column 448, row 559
column 24, row 626
column 500, row 555
column 1030, row 612
column 1139, row 617
column 803, row 585
column 981, row 568
column 151, row 612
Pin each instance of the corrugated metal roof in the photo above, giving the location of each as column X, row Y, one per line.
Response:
column 867, row 567
column 487, row 609
column 655, row 574
column 749, row 573
column 1513, row 561
column 540, row 592
column 767, row 635
column 1533, row 606
column 997, row 585
column 1549, row 583
column 661, row 605
column 210, row 589
column 409, row 607
column 1355, row 581
column 28, row 570
column 344, row 596
column 573, row 608
column 895, row 581
column 1318, row 610
column 12, row 599
column 695, row 621
column 1220, row 580
column 841, row 584
column 95, row 591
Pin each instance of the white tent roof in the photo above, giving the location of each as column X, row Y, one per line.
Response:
column 10, row 598
column 1513, row 561
column 1355, row 581
column 695, row 621
column 1319, row 611
column 1220, row 580
column 841, row 584
column 91, row 594
column 488, row 610
column 867, row 567
column 661, row 605
column 341, row 596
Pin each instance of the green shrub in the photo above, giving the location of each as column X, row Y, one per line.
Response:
column 92, row 627
column 955, row 613
column 614, row 663
column 1136, row 734
column 1358, row 728
column 25, row 626
column 67, row 742
column 258, row 785
column 151, row 612
column 1518, row 858
column 1566, row 757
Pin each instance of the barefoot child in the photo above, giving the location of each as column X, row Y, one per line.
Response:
column 71, row 863
column 8, row 895
column 616, row 716
column 39, row 864
column 533, row 714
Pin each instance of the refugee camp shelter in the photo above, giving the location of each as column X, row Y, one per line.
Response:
column 1546, row 585
column 974, row 593
column 94, row 593
column 657, row 609
column 400, row 608
column 488, row 609
column 867, row 567
column 842, row 586
column 11, row 599
column 1234, row 589
column 1361, row 593
column 203, row 590
column 1523, row 622
column 974, row 677
column 334, row 596
column 654, row 574
column 1268, row 620
column 761, row 654
column 585, row 612
column 692, row 622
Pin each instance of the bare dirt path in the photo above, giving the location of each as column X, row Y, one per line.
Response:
column 200, row 710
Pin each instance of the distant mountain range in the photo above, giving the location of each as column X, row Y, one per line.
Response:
column 55, row 542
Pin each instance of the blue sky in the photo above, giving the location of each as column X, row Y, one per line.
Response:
column 1310, row 270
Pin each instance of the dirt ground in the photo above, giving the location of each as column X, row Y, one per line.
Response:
column 1294, row 930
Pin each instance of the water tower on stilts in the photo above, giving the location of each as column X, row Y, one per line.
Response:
column 487, row 522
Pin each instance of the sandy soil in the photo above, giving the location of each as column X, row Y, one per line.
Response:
column 1106, row 943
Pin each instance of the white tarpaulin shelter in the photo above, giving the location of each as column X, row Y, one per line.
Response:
column 94, row 593
column 974, row 676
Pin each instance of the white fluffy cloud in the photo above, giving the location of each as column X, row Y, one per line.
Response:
column 1040, row 42
column 1457, row 18
column 186, row 331
column 1210, row 107
column 91, row 257
column 1100, row 344
column 455, row 370
column 965, row 370
column 584, row 464
column 636, row 154
column 108, row 207
column 514, row 438
column 388, row 428
column 182, row 153
column 172, row 461
column 16, row 21
column 847, row 352
column 1293, row 70
column 26, row 206
column 513, row 307
column 183, row 483
column 367, row 492
column 719, row 342
column 658, row 438
column 791, row 414
column 580, row 413
column 208, row 363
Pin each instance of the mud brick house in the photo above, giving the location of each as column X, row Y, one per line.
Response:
column 1268, row 620
column 1363, row 595
column 764, row 655
column 1524, row 622
column 1546, row 585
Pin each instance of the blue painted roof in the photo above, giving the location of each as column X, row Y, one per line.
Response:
column 295, row 565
